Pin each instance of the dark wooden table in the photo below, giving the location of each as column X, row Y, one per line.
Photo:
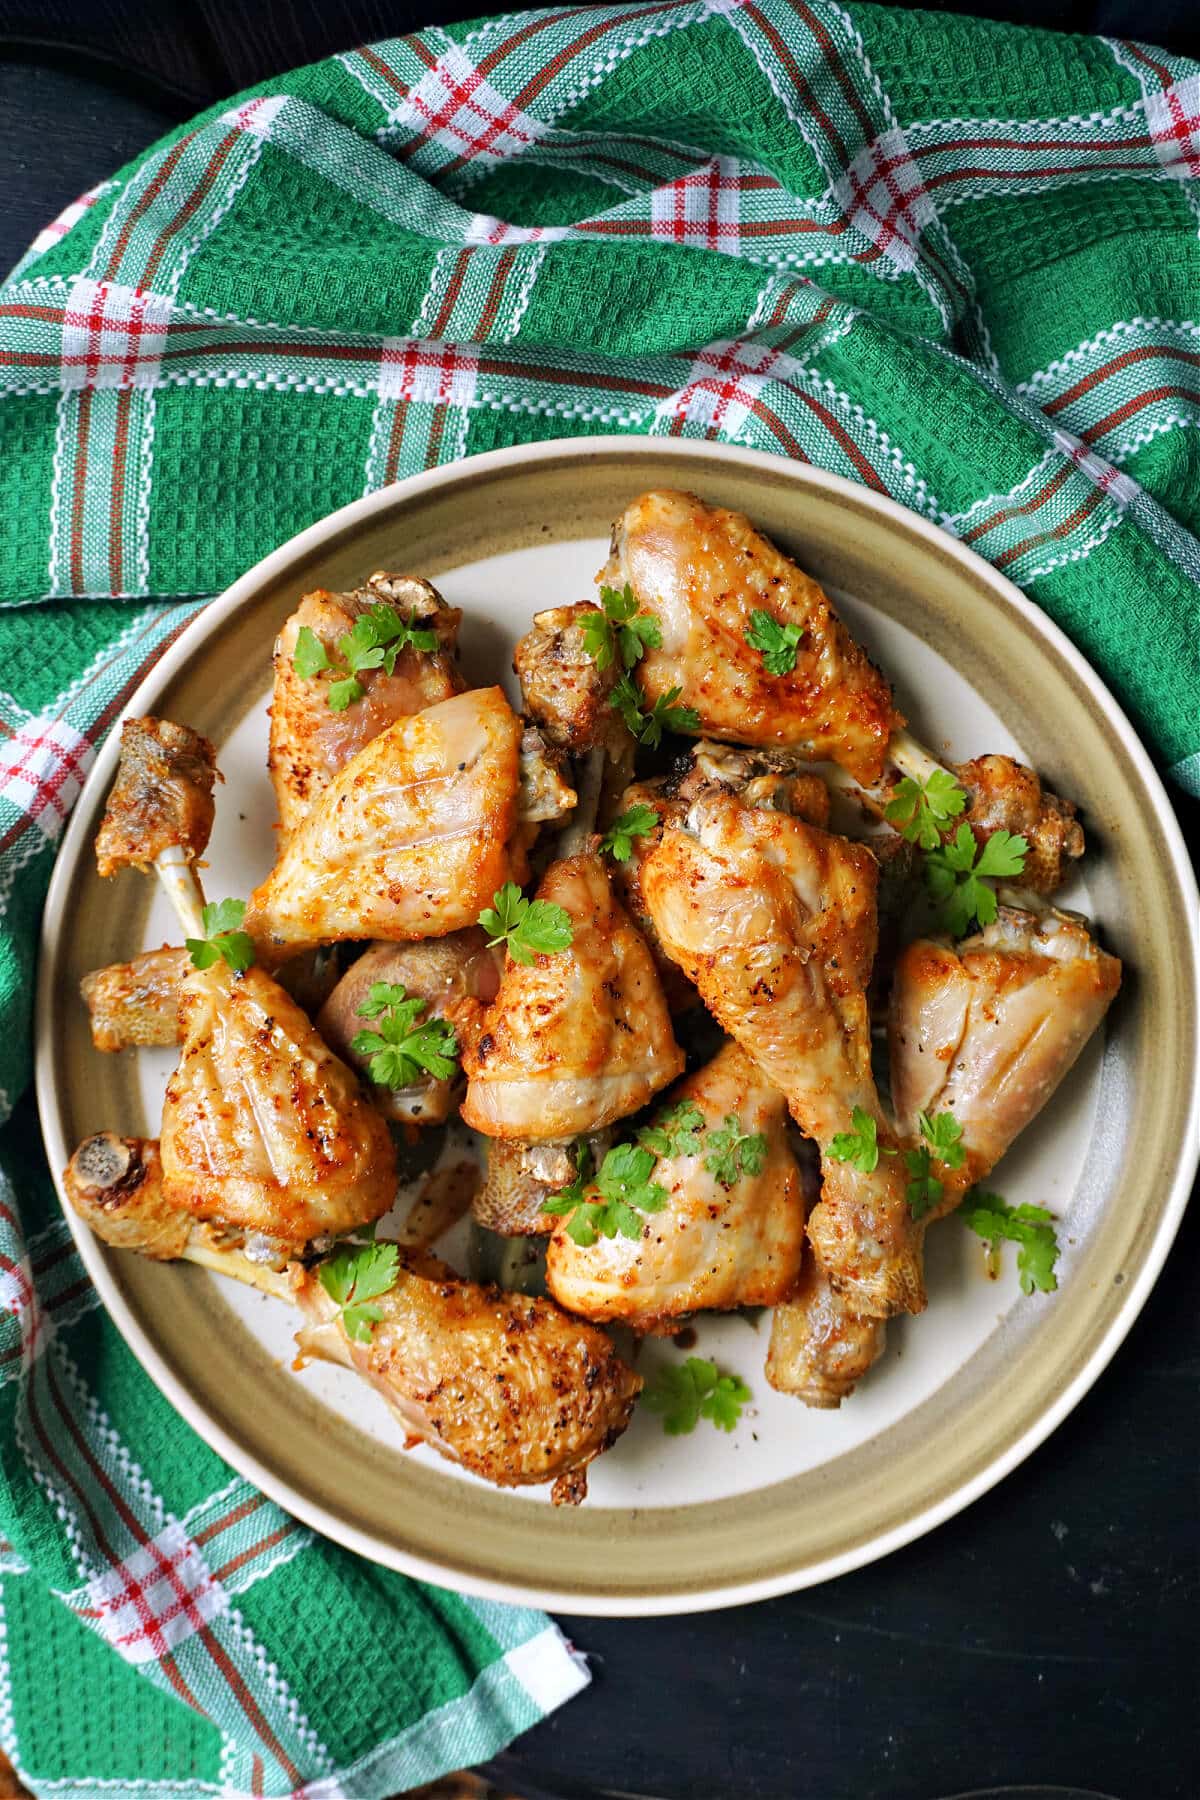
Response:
column 1047, row 1635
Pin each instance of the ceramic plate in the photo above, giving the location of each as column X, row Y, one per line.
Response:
column 967, row 1390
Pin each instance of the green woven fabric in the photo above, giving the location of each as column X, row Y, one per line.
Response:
column 955, row 261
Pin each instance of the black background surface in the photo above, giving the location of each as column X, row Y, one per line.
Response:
column 1048, row 1634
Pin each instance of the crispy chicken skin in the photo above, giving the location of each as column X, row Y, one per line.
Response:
column 986, row 1029
column 136, row 1004
column 711, row 1247
column 263, row 1128
column 578, row 1038
column 161, row 798
column 703, row 571
column 409, row 841
column 507, row 1386
column 1004, row 795
column 440, row 971
column 504, row 1385
column 774, row 921
column 310, row 743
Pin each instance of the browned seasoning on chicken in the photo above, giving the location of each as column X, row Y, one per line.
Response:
column 310, row 742
column 1004, row 795
column 509, row 1387
column 162, row 797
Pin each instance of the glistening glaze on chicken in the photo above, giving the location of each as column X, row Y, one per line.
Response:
column 774, row 921
column 713, row 1246
column 410, row 840
column 703, row 571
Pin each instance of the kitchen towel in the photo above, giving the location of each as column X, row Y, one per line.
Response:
column 952, row 260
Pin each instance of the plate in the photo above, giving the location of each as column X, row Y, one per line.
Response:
column 967, row 1390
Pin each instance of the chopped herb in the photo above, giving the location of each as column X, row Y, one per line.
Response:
column 778, row 643
column 355, row 1277
column 675, row 1132
column 664, row 715
column 374, row 641
column 624, row 1192
column 401, row 1050
column 619, row 631
column 222, row 941
column 639, row 821
column 954, row 875
column 734, row 1152
column 859, row 1147
column 526, row 926
column 921, row 809
column 1030, row 1227
column 692, row 1391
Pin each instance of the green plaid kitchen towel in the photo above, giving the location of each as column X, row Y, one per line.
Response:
column 952, row 260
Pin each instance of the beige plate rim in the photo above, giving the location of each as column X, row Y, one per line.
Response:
column 327, row 1522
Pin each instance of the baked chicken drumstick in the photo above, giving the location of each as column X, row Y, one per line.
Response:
column 984, row 1030
column 504, row 1385
column 753, row 645
column 263, row 1129
column 731, row 1229
column 774, row 921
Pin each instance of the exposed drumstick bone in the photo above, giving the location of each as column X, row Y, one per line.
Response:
column 159, row 813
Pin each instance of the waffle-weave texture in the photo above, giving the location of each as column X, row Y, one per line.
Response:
column 955, row 261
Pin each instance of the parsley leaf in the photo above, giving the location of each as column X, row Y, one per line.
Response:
column 619, row 630
column 920, row 809
column 374, row 641
column 356, row 1276
column 526, row 926
column 623, row 1191
column 664, row 715
column 639, row 821
column 954, row 871
column 734, row 1152
column 778, row 643
column 942, row 1133
column 222, row 940
column 400, row 1050
column 1031, row 1227
column 694, row 1390
column 675, row 1132
column 859, row 1147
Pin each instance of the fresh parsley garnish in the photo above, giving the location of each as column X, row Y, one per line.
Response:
column 1030, row 1227
column 664, row 715
column 692, row 1391
column 954, row 875
column 526, row 926
column 400, row 1050
column 619, row 630
column 374, row 641
column 941, row 1133
column 921, row 809
column 859, row 1147
column 222, row 940
column 624, row 1192
column 675, row 1132
column 639, row 821
column 733, row 1152
column 355, row 1277
column 778, row 643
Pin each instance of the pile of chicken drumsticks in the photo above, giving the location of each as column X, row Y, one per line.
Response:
column 735, row 881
